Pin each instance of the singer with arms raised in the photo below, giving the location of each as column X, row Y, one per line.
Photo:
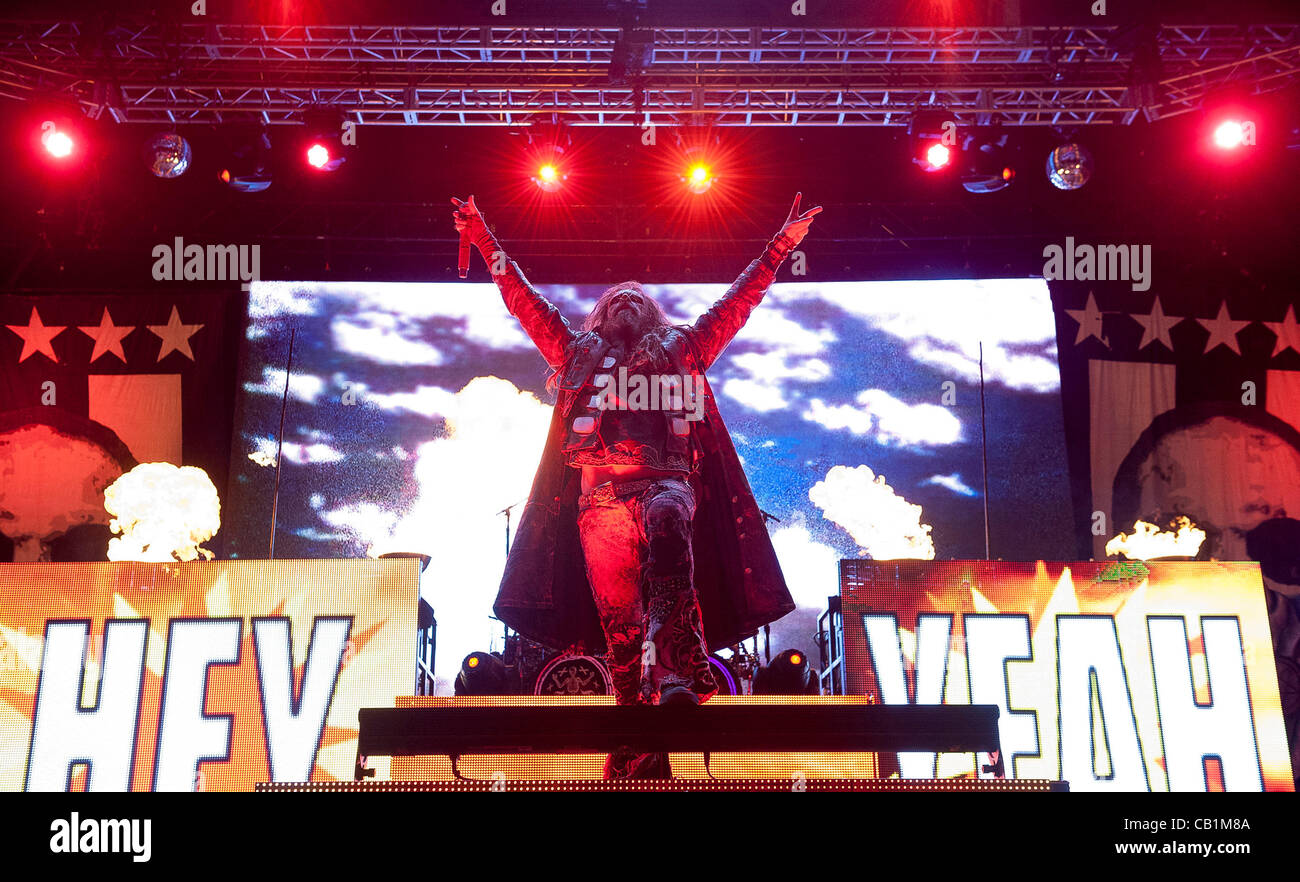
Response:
column 640, row 533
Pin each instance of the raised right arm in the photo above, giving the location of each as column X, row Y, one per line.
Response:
column 539, row 318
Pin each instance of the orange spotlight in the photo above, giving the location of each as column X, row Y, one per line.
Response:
column 699, row 178
column 549, row 177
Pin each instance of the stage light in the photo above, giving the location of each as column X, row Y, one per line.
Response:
column 1069, row 166
column 57, row 143
column 167, row 155
column 322, row 157
column 249, row 170
column 1229, row 134
column 60, row 133
column 318, row 155
column 932, row 135
column 326, row 134
column 699, row 178
column 545, row 156
column 549, row 178
column 482, row 673
column 788, row 674
column 988, row 161
column 1229, row 119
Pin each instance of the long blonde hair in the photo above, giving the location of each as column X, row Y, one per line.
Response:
column 647, row 353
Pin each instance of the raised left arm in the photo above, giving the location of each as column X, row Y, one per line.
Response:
column 715, row 329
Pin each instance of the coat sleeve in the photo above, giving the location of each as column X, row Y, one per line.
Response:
column 715, row 329
column 541, row 321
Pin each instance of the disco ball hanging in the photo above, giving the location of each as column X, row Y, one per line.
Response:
column 167, row 155
column 1069, row 166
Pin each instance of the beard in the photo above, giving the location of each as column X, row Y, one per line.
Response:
column 628, row 324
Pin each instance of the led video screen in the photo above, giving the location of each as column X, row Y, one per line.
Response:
column 196, row 676
column 416, row 416
column 1110, row 676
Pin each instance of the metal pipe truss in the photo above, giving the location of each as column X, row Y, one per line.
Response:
column 761, row 76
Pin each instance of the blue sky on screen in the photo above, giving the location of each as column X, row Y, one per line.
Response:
column 833, row 394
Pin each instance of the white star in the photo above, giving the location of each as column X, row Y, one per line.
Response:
column 1287, row 331
column 174, row 335
column 1156, row 325
column 1223, row 330
column 1089, row 319
column 107, row 336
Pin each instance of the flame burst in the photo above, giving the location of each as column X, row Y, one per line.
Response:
column 884, row 524
column 1148, row 542
column 163, row 513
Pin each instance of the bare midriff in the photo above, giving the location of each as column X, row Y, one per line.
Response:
column 593, row 476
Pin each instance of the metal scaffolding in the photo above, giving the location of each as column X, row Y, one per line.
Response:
column 184, row 73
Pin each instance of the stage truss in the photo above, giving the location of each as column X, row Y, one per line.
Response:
column 187, row 72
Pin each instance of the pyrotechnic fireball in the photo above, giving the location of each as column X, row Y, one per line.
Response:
column 163, row 513
column 1148, row 542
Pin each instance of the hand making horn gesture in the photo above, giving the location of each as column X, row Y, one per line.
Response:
column 796, row 224
column 466, row 216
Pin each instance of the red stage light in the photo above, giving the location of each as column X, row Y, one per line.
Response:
column 699, row 178
column 318, row 155
column 471, row 662
column 1229, row 134
column 938, row 156
column 549, row 177
column 796, row 659
column 57, row 143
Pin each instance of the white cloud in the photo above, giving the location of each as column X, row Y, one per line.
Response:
column 294, row 452
column 755, row 396
column 303, row 387
column 385, row 338
column 889, row 420
column 952, row 482
column 478, row 306
column 269, row 299
column 423, row 400
column 769, row 373
column 944, row 322
column 778, row 365
column 884, row 524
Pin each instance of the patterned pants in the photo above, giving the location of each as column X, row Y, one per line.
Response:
column 636, row 538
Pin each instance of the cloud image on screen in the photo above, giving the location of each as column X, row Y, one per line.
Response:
column 416, row 416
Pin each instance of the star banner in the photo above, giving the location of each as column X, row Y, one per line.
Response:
column 1184, row 402
column 92, row 385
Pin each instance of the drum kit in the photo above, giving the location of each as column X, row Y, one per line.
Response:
column 536, row 670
